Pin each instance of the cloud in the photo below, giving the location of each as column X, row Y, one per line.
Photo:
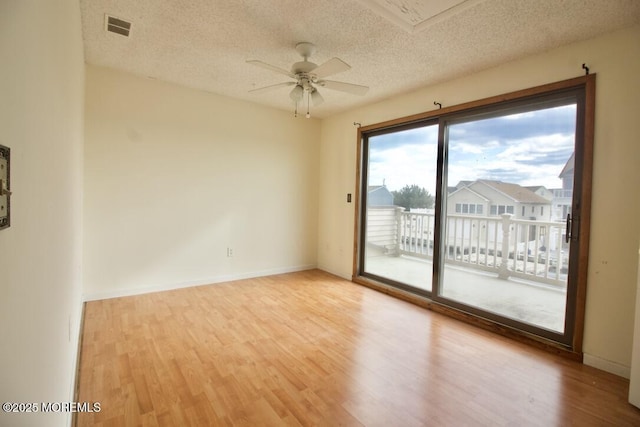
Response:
column 404, row 158
column 558, row 120
column 528, row 148
column 406, row 138
column 550, row 149
column 402, row 167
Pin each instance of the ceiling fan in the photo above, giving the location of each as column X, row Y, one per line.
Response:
column 309, row 76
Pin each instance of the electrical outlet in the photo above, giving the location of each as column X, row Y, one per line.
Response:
column 229, row 252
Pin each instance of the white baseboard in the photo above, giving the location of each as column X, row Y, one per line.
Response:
column 116, row 293
column 335, row 273
column 607, row 365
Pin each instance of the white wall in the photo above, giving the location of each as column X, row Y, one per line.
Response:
column 174, row 176
column 616, row 204
column 41, row 120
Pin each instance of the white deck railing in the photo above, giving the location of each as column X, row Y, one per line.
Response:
column 532, row 250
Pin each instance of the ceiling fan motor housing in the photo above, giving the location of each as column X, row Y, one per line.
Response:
column 303, row 67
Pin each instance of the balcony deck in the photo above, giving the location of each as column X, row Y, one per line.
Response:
column 532, row 302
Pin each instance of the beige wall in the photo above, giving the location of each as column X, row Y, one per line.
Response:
column 41, row 116
column 634, row 385
column 616, row 204
column 175, row 176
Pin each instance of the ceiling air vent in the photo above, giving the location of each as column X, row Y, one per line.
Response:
column 118, row 26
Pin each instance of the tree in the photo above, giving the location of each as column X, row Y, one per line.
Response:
column 412, row 196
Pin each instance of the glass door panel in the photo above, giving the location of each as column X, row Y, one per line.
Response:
column 397, row 242
column 510, row 187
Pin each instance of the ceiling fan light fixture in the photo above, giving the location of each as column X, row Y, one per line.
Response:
column 296, row 93
column 316, row 98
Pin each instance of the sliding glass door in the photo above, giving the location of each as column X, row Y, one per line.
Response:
column 399, row 200
column 484, row 208
column 510, row 178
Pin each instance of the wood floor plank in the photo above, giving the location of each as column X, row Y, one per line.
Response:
column 309, row 348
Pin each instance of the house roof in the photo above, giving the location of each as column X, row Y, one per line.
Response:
column 468, row 190
column 514, row 191
column 392, row 46
column 569, row 166
column 464, row 184
column 373, row 188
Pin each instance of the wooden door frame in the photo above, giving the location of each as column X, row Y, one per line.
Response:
column 584, row 157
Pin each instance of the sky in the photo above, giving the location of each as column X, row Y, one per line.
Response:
column 527, row 148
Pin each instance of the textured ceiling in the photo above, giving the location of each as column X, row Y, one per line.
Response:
column 419, row 14
column 205, row 44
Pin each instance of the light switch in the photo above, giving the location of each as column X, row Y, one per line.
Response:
column 5, row 193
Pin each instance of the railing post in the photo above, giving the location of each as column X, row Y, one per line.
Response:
column 503, row 271
column 399, row 211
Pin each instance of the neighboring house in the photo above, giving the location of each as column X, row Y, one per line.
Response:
column 465, row 201
column 458, row 186
column 488, row 198
column 541, row 191
column 492, row 198
column 563, row 197
column 382, row 217
column 463, row 184
column 379, row 195
column 567, row 173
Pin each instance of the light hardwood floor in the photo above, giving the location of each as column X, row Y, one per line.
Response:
column 309, row 348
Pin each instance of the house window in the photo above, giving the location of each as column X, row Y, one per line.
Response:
column 523, row 211
column 468, row 208
column 501, row 209
column 541, row 210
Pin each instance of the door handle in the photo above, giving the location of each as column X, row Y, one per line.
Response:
column 567, row 234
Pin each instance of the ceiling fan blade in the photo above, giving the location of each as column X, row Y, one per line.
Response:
column 332, row 66
column 344, row 87
column 271, row 87
column 316, row 98
column 270, row 67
